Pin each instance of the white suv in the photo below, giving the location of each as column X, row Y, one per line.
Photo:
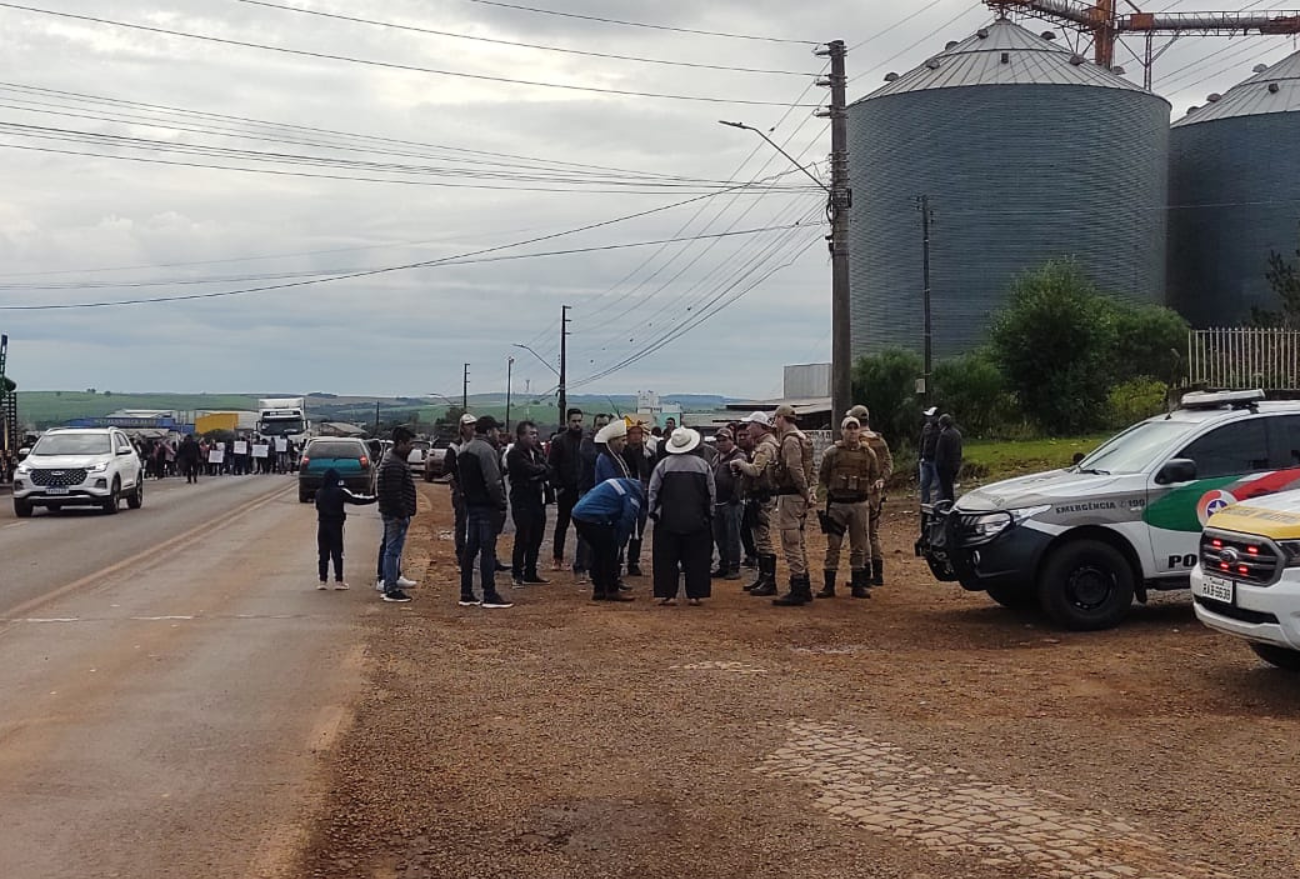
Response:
column 79, row 468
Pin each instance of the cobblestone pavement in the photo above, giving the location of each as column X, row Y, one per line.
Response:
column 882, row 789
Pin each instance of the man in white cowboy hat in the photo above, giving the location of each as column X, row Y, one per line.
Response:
column 877, row 444
column 760, row 489
column 795, row 479
column 682, row 493
column 611, row 440
column 640, row 460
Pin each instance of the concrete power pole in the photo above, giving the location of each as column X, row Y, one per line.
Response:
column 841, row 200
column 464, row 391
column 564, row 362
column 926, row 217
column 510, row 368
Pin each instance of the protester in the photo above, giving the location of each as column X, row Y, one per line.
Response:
column 605, row 518
column 611, row 441
column 565, row 462
column 682, row 494
column 727, row 507
column 947, row 458
column 464, row 437
column 188, row 456
column 331, row 498
column 479, row 470
column 397, row 505
column 640, row 462
column 528, row 473
column 929, row 442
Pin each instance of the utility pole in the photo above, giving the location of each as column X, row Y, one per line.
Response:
column 376, row 418
column 926, row 216
column 510, row 368
column 528, row 395
column 841, row 199
column 464, row 391
column 564, row 362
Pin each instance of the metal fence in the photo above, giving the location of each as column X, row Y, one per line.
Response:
column 1244, row 357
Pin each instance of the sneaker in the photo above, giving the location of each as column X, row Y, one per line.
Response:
column 496, row 602
column 403, row 583
column 469, row 601
column 321, row 585
column 536, row 580
column 396, row 595
column 557, row 565
column 379, row 584
column 582, row 577
column 339, row 584
column 517, row 582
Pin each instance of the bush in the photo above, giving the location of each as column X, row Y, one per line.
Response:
column 974, row 391
column 1135, row 400
column 1150, row 342
column 886, row 385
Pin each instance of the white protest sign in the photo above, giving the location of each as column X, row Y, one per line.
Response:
column 281, row 444
column 241, row 447
column 216, row 457
column 261, row 451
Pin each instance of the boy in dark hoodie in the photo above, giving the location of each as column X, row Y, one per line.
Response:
column 331, row 499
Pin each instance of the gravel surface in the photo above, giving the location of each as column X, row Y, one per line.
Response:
column 925, row 733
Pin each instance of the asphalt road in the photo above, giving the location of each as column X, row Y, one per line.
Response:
column 170, row 678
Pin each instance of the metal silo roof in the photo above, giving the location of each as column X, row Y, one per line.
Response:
column 1004, row 53
column 1276, row 90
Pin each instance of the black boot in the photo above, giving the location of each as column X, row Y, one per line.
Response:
column 800, row 593
column 828, row 589
column 766, row 585
column 859, row 582
column 634, row 558
column 878, row 572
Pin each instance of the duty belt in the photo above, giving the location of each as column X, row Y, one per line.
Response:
column 787, row 491
column 850, row 499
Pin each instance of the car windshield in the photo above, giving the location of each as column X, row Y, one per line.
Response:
column 1134, row 450
column 281, row 427
column 422, row 445
column 336, row 450
column 72, row 444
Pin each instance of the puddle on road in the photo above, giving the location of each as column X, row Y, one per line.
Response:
column 879, row 787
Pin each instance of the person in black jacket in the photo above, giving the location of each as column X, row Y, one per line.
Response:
column 565, row 463
column 479, row 469
column 528, row 474
column 331, row 499
column 929, row 441
column 727, row 508
column 682, row 494
column 396, row 506
column 947, row 458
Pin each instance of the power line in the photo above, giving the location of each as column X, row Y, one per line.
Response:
column 391, row 65
column 658, row 27
column 902, row 21
column 949, row 23
column 500, row 42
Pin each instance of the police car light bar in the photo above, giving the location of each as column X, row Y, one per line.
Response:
column 1219, row 399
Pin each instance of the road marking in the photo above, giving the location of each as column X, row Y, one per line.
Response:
column 169, row 544
column 157, row 619
column 13, row 525
column 882, row 789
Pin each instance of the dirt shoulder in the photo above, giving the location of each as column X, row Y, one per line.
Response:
column 923, row 733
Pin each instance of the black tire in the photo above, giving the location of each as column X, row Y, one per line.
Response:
column 136, row 499
column 1017, row 597
column 1086, row 585
column 1278, row 657
column 22, row 509
column 113, row 502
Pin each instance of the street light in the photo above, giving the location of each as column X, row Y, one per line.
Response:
column 744, row 127
column 539, row 357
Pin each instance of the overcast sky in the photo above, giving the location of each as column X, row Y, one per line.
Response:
column 78, row 228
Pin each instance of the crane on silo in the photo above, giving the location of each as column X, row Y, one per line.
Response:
column 1107, row 25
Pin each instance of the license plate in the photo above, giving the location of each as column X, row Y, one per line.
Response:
column 1218, row 589
column 56, row 490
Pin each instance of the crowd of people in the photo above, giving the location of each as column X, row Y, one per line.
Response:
column 716, row 508
column 190, row 457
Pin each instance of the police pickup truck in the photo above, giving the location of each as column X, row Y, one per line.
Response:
column 1084, row 541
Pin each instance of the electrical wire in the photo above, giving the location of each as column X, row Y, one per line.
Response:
column 658, row 27
column 500, row 42
column 892, row 58
column 390, row 65
column 902, row 21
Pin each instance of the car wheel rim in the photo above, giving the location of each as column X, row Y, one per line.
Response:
column 1090, row 587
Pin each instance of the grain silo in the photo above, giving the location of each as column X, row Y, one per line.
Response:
column 1027, row 152
column 1235, row 196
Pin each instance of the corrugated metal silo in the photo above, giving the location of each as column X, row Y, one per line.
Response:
column 1235, row 196
column 1028, row 153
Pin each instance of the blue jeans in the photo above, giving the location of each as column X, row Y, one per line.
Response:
column 726, row 534
column 929, row 480
column 394, row 541
column 480, row 540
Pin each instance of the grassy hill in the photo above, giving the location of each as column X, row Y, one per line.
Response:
column 46, row 408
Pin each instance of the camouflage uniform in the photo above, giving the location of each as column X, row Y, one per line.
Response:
column 759, row 489
column 794, row 475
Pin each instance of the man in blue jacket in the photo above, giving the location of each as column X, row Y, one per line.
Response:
column 605, row 517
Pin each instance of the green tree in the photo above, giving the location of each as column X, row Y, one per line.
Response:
column 1149, row 343
column 1054, row 343
column 974, row 390
column 1284, row 278
column 886, row 384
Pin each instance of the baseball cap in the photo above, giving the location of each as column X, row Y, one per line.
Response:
column 759, row 418
column 468, row 419
column 929, row 413
column 850, row 422
column 486, row 423
column 786, row 412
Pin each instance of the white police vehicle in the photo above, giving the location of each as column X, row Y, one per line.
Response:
column 1082, row 542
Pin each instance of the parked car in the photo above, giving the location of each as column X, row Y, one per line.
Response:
column 352, row 458
column 1082, row 542
column 79, row 468
column 1247, row 583
column 436, row 458
column 419, row 449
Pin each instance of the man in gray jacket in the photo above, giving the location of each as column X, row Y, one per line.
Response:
column 483, row 488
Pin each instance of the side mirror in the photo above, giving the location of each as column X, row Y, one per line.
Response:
column 127, row 451
column 23, row 453
column 1176, row 470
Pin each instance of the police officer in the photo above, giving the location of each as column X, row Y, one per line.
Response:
column 759, row 487
column 848, row 473
column 877, row 444
column 794, row 489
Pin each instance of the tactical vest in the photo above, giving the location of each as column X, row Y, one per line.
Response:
column 852, row 474
column 784, row 479
column 764, row 484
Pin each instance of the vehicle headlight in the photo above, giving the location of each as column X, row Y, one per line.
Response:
column 990, row 525
column 100, row 467
column 1290, row 553
column 22, row 470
